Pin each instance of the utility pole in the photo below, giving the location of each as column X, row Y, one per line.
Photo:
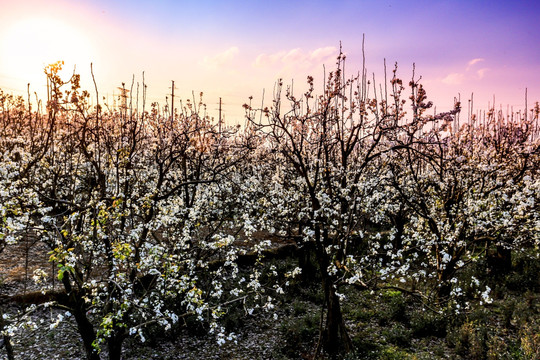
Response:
column 219, row 123
column 526, row 110
column 172, row 100
column 123, row 95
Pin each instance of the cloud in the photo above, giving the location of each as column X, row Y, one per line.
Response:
column 474, row 62
column 296, row 57
column 482, row 72
column 222, row 58
column 265, row 60
column 453, row 79
column 323, row 53
column 467, row 74
column 293, row 56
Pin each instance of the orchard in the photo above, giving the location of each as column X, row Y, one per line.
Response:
column 155, row 220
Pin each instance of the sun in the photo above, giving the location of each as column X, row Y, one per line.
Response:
column 30, row 44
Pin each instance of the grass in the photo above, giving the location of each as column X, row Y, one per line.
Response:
column 393, row 325
column 387, row 324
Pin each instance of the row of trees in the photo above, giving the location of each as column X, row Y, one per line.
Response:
column 386, row 195
column 140, row 212
column 146, row 215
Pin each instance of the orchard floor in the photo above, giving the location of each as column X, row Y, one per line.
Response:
column 382, row 325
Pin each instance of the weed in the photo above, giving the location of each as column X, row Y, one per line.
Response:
column 398, row 335
column 298, row 331
column 393, row 353
column 299, row 308
column 530, row 341
column 396, row 304
column 425, row 324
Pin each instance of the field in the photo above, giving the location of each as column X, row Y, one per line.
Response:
column 352, row 224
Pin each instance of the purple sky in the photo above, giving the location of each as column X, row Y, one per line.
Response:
column 238, row 48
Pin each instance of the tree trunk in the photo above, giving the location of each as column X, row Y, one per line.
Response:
column 86, row 330
column 335, row 336
column 305, row 263
column 444, row 290
column 444, row 276
column 9, row 348
column 399, row 221
column 6, row 338
column 500, row 262
column 76, row 302
column 114, row 344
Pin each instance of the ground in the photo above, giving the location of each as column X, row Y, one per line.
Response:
column 385, row 324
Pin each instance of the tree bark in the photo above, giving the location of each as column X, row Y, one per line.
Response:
column 114, row 344
column 76, row 302
column 86, row 330
column 305, row 263
column 9, row 348
column 335, row 336
column 6, row 338
column 500, row 263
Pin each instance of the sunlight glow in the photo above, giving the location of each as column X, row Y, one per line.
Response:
column 32, row 43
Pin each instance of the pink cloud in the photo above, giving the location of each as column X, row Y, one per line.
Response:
column 222, row 58
column 453, row 79
column 323, row 53
column 482, row 72
column 296, row 56
column 474, row 62
column 264, row 60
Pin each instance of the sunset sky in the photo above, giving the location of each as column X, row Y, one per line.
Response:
column 235, row 49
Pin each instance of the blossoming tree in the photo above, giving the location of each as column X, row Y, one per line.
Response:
column 330, row 144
